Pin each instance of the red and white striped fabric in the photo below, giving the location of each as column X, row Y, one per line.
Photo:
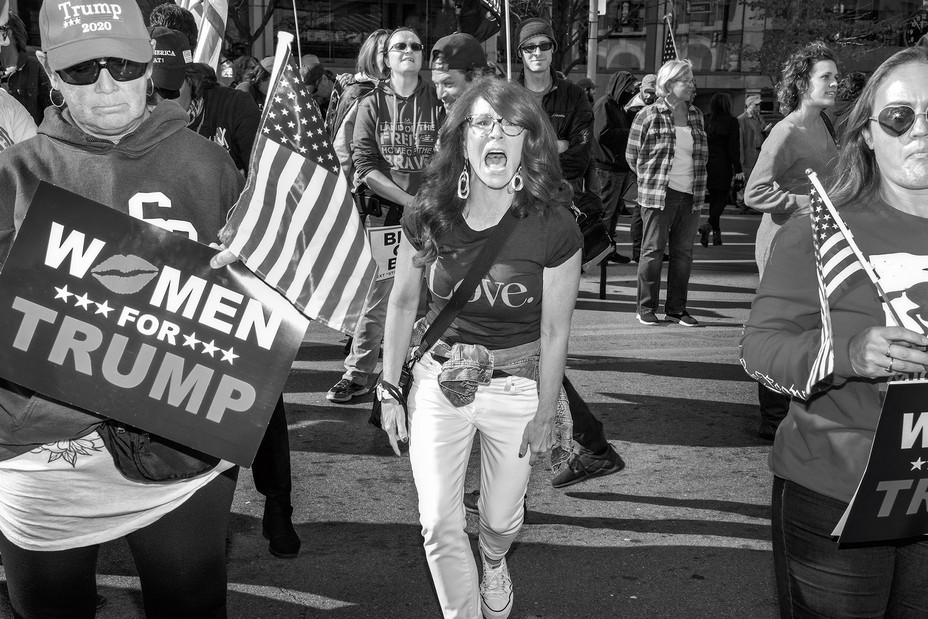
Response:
column 211, row 16
column 295, row 224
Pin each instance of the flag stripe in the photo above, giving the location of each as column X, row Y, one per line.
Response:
column 837, row 280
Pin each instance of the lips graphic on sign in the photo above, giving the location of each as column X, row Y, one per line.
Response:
column 124, row 274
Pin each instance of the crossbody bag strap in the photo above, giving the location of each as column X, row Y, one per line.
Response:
column 478, row 269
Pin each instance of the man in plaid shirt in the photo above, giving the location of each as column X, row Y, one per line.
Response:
column 667, row 151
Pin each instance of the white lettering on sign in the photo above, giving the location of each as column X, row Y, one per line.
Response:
column 912, row 427
column 81, row 257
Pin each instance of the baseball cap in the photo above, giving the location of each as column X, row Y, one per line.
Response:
column 76, row 31
column 751, row 100
column 458, row 51
column 532, row 26
column 649, row 82
column 586, row 83
column 172, row 55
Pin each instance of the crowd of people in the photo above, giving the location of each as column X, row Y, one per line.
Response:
column 482, row 174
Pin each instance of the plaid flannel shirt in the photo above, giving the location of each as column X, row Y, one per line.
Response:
column 650, row 153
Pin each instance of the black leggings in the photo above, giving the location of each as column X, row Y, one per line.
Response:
column 180, row 558
column 718, row 199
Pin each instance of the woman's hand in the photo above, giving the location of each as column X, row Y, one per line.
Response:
column 225, row 257
column 879, row 352
column 739, row 176
column 393, row 422
column 538, row 437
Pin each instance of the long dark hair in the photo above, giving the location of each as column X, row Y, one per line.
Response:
column 719, row 111
column 437, row 206
column 794, row 77
column 857, row 174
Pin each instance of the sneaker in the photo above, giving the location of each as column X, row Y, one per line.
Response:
column 704, row 236
column 495, row 590
column 647, row 318
column 683, row 319
column 618, row 258
column 587, row 465
column 767, row 431
column 345, row 389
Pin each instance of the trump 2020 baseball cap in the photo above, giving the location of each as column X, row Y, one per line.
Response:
column 74, row 31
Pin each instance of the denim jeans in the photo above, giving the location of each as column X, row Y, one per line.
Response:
column 271, row 467
column 611, row 187
column 817, row 579
column 368, row 335
column 440, row 440
column 675, row 224
column 635, row 232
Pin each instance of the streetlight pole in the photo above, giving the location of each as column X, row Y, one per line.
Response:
column 592, row 53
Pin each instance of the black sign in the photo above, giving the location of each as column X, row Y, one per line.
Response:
column 891, row 502
column 112, row 314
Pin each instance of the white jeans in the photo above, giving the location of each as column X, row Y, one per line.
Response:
column 440, row 441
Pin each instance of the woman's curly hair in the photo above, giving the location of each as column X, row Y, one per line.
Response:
column 796, row 73
column 438, row 207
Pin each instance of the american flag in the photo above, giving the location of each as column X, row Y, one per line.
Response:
column 838, row 269
column 670, row 48
column 211, row 16
column 295, row 224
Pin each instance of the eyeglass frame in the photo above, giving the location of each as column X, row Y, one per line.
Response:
column 100, row 64
column 892, row 132
column 496, row 121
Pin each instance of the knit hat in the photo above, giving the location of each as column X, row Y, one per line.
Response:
column 751, row 100
column 80, row 30
column 172, row 55
column 586, row 83
column 533, row 26
column 649, row 82
column 458, row 51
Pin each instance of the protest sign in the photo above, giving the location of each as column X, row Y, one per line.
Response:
column 385, row 244
column 891, row 502
column 115, row 315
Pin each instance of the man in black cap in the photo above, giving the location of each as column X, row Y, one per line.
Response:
column 456, row 59
column 589, row 87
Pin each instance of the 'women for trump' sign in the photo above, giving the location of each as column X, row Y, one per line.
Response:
column 117, row 316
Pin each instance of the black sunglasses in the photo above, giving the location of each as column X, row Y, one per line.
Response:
column 530, row 49
column 401, row 46
column 85, row 73
column 5, row 30
column 896, row 120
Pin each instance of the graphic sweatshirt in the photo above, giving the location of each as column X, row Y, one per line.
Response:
column 162, row 172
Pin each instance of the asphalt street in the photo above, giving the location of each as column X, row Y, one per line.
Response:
column 683, row 531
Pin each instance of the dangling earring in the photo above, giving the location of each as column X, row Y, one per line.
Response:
column 516, row 182
column 51, row 97
column 464, row 183
column 151, row 88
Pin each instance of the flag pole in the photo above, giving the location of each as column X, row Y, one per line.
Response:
column 508, row 45
column 296, row 28
column 668, row 17
column 864, row 262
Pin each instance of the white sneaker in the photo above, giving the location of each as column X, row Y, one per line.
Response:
column 495, row 590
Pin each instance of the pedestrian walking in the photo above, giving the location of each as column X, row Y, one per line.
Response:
column 822, row 447
column 778, row 186
column 753, row 129
column 667, row 150
column 498, row 367
column 723, row 165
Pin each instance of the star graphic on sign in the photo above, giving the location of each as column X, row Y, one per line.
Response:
column 104, row 308
column 63, row 293
column 82, row 301
column 229, row 355
column 191, row 340
column 917, row 465
column 210, row 348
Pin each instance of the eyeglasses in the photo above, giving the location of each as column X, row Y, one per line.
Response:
column 530, row 49
column 896, row 120
column 401, row 47
column 483, row 125
column 86, row 73
column 5, row 30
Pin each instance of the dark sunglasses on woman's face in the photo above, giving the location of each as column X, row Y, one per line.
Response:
column 896, row 120
column 401, row 47
column 530, row 49
column 86, row 73
column 5, row 30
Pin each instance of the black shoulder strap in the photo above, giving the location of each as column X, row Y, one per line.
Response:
column 478, row 269
column 830, row 127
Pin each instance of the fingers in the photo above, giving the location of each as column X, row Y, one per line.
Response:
column 393, row 443
column 523, row 448
column 223, row 258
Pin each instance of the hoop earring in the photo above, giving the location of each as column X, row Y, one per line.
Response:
column 51, row 97
column 464, row 183
column 150, row 90
column 517, row 183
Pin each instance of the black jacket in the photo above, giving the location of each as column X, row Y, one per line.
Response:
column 611, row 124
column 230, row 118
column 572, row 117
column 30, row 86
column 724, row 160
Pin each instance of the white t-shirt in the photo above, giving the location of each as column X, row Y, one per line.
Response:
column 682, row 174
column 69, row 494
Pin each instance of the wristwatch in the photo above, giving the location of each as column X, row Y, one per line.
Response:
column 382, row 394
